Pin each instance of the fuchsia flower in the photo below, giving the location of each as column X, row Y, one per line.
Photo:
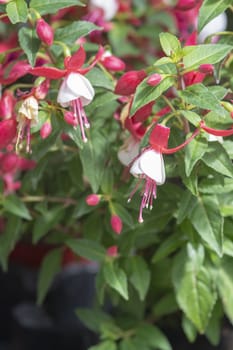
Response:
column 75, row 91
column 149, row 165
column 109, row 7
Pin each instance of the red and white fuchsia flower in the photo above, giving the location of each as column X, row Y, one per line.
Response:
column 149, row 166
column 76, row 90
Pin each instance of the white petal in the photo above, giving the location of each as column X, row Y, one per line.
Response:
column 135, row 169
column 75, row 86
column 152, row 165
column 109, row 7
column 128, row 151
column 218, row 24
column 213, row 138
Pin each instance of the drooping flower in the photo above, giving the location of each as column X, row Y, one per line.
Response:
column 149, row 166
column 76, row 90
column 27, row 117
column 109, row 7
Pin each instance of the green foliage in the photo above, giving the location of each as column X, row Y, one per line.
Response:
column 17, row 11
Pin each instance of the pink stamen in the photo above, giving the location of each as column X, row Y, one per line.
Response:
column 149, row 194
column 78, row 112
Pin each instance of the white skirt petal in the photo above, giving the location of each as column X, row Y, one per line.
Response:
column 75, row 86
column 152, row 165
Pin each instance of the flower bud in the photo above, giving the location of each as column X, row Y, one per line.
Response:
column 184, row 5
column 70, row 119
column 7, row 103
column 116, row 224
column 128, row 83
column 45, row 130
column 93, row 200
column 44, row 31
column 8, row 132
column 112, row 251
column 113, row 63
column 154, row 79
column 9, row 162
column 206, row 68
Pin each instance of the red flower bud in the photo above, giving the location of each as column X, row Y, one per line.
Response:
column 45, row 130
column 184, row 5
column 8, row 132
column 7, row 103
column 70, row 119
column 116, row 224
column 206, row 68
column 93, row 200
column 113, row 63
column 9, row 162
column 128, row 83
column 154, row 79
column 112, row 251
column 44, row 31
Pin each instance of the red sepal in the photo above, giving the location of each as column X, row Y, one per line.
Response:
column 48, row 72
column 216, row 132
column 178, row 148
column 159, row 136
column 96, row 59
column 76, row 61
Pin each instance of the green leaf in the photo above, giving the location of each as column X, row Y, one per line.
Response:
column 217, row 159
column 87, row 249
column 106, row 345
column 194, row 288
column 215, row 185
column 146, row 93
column 199, row 95
column 46, row 222
column 93, row 159
column 17, row 11
column 14, row 205
column 30, row 43
column 93, row 318
column 208, row 221
column 225, row 286
column 116, row 278
column 99, row 79
column 211, row 9
column 170, row 44
column 49, row 268
column 192, row 117
column 168, row 246
column 189, row 329
column 9, row 238
column 139, row 275
column 186, row 206
column 165, row 306
column 70, row 33
column 52, row 6
column 194, row 151
column 201, row 54
column 152, row 336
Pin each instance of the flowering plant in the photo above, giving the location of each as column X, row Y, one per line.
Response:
column 116, row 145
